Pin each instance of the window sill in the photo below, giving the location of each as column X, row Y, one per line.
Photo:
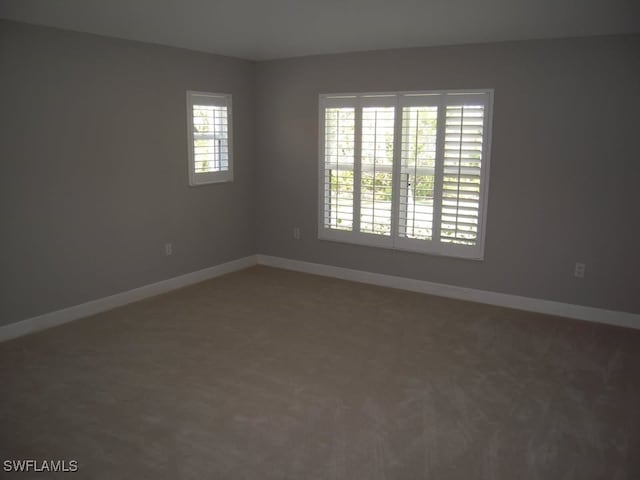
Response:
column 378, row 241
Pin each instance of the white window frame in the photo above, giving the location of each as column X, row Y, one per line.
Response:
column 214, row 99
column 442, row 99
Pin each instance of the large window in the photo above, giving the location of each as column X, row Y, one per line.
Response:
column 406, row 170
column 210, row 140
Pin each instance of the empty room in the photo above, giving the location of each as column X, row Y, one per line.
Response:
column 300, row 239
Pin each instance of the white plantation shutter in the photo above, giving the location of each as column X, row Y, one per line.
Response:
column 406, row 171
column 209, row 121
column 339, row 144
column 417, row 182
column 462, row 174
column 376, row 164
column 211, row 148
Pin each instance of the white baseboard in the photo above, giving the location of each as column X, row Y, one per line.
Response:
column 48, row 320
column 65, row 315
column 610, row 317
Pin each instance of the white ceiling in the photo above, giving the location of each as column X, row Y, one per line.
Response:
column 268, row 29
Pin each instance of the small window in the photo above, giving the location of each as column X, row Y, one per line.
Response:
column 210, row 139
column 407, row 171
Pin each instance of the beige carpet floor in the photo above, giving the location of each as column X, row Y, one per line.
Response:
column 269, row 374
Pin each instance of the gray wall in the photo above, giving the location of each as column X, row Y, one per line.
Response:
column 93, row 167
column 93, row 177
column 565, row 165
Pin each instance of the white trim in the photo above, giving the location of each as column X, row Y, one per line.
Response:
column 579, row 312
column 338, row 98
column 52, row 319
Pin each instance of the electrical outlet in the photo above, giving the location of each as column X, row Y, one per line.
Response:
column 168, row 249
column 296, row 233
column 579, row 270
